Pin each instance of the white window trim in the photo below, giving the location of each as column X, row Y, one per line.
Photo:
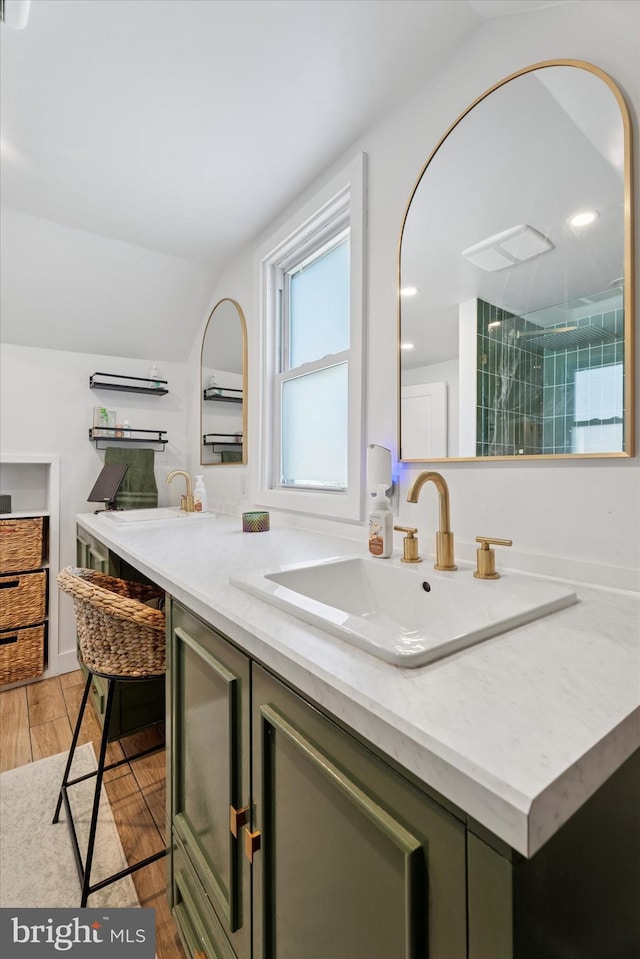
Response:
column 348, row 186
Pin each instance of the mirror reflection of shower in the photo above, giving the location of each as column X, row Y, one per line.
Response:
column 536, row 227
column 551, row 381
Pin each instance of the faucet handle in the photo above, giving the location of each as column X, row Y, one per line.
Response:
column 486, row 557
column 409, row 544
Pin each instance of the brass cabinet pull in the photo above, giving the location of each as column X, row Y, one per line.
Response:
column 237, row 819
column 251, row 843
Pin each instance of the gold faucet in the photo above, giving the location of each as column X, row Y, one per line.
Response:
column 186, row 501
column 444, row 536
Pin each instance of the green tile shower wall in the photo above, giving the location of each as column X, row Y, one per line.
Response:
column 525, row 397
column 509, row 384
column 559, row 378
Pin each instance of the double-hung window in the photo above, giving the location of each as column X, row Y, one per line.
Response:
column 312, row 312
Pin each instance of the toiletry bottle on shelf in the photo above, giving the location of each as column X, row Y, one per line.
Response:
column 126, row 429
column 100, row 416
column 200, row 495
column 154, row 377
column 381, row 525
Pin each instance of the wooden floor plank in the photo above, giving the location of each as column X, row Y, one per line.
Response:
column 45, row 701
column 155, row 796
column 49, row 739
column 144, row 739
column 150, row 773
column 72, row 696
column 15, row 742
column 140, row 837
column 72, row 679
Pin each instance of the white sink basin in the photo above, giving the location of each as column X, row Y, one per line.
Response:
column 408, row 616
column 154, row 514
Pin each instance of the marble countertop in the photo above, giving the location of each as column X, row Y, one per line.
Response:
column 518, row 731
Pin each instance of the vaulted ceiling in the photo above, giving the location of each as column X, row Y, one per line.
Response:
column 183, row 128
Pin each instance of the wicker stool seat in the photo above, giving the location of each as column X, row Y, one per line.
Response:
column 121, row 638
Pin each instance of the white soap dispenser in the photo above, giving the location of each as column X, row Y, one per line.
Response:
column 200, row 495
column 154, row 377
column 381, row 525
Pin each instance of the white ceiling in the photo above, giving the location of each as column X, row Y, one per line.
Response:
column 184, row 128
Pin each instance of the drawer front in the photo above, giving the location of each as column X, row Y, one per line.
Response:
column 21, row 544
column 23, row 599
column 21, row 654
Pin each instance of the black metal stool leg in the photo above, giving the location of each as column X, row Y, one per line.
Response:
column 86, row 883
column 76, row 733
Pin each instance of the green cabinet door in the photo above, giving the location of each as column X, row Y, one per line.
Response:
column 209, row 756
column 90, row 554
column 353, row 862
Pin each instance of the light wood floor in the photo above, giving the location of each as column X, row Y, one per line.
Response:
column 37, row 721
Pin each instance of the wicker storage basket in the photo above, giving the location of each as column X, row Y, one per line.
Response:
column 21, row 654
column 118, row 633
column 21, row 544
column 23, row 599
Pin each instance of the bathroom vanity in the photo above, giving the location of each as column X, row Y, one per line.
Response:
column 324, row 803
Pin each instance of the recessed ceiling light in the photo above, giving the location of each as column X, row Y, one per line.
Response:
column 406, row 346
column 583, row 219
column 408, row 291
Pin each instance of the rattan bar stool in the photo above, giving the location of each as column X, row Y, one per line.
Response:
column 122, row 639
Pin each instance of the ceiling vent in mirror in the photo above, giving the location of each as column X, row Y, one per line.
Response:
column 513, row 246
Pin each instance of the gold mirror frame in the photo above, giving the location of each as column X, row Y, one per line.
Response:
column 629, row 279
column 226, row 396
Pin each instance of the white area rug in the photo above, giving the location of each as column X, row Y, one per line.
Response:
column 37, row 865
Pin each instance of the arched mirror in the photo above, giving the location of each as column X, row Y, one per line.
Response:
column 223, row 379
column 516, row 276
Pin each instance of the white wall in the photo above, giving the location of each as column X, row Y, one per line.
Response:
column 67, row 289
column 46, row 407
column 567, row 518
